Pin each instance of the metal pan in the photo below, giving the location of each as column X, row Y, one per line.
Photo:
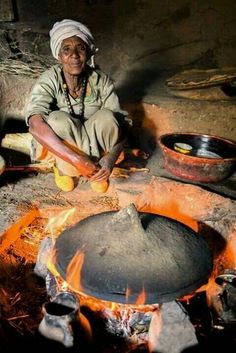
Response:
column 201, row 158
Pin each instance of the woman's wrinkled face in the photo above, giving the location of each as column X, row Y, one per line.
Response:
column 73, row 55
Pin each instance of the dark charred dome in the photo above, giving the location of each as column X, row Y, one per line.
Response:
column 135, row 252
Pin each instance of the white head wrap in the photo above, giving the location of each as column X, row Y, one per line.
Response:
column 69, row 28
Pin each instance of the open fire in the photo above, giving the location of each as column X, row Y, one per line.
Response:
column 139, row 324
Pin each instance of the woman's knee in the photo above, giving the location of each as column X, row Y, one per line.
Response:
column 62, row 124
column 105, row 119
column 58, row 120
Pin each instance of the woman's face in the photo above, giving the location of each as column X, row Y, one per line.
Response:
column 73, row 55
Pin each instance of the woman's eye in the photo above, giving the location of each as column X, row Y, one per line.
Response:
column 66, row 50
column 81, row 48
column 70, row 50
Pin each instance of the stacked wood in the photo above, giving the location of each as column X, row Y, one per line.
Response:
column 18, row 67
column 20, row 142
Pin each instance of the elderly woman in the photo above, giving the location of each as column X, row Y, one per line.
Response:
column 73, row 111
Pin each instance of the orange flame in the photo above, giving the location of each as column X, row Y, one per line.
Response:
column 56, row 224
column 141, row 298
column 127, row 293
column 73, row 273
column 113, row 306
column 49, row 259
column 86, row 327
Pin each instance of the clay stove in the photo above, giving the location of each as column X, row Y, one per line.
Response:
column 135, row 260
column 207, row 213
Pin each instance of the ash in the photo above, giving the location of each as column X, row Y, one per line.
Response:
column 129, row 324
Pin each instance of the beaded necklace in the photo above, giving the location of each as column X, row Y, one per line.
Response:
column 82, row 95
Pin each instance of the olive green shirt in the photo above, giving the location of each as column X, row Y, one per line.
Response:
column 48, row 95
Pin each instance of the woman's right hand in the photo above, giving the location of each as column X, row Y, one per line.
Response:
column 86, row 167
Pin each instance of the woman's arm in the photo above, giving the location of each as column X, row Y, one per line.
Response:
column 44, row 134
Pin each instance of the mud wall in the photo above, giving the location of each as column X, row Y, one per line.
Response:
column 139, row 41
column 133, row 36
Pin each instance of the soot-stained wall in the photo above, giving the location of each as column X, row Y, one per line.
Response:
column 141, row 42
column 134, row 37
